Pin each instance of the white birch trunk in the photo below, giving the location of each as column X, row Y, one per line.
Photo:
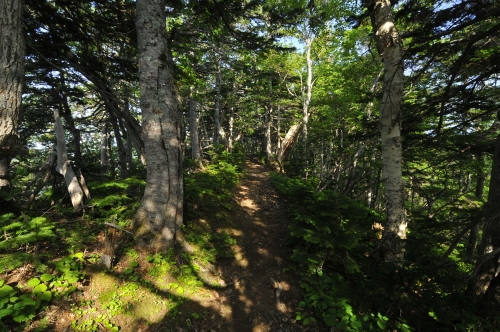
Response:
column 390, row 49
column 231, row 133
column 306, row 98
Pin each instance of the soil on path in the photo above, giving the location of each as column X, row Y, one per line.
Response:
column 259, row 296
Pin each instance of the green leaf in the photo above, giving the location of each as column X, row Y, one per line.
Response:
column 45, row 296
column 382, row 324
column 342, row 325
column 79, row 256
column 128, row 270
column 299, row 316
column 39, row 289
column 5, row 291
column 46, row 277
column 5, row 312
column 134, row 264
column 150, row 258
column 33, row 282
column 306, row 321
column 2, row 282
column 180, row 290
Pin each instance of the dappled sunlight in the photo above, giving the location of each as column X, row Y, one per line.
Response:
column 239, row 256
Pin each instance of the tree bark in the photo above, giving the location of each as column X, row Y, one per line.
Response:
column 158, row 222
column 306, row 99
column 269, row 123
column 485, row 273
column 68, row 117
column 217, row 114
column 11, row 75
column 288, row 143
column 390, row 49
column 104, row 147
column 76, row 189
column 193, row 126
column 122, row 154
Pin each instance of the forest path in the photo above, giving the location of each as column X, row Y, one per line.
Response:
column 258, row 296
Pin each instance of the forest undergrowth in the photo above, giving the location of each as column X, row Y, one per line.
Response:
column 319, row 251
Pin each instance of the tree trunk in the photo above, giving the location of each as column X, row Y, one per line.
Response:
column 217, row 115
column 128, row 144
column 269, row 123
column 158, row 222
column 481, row 177
column 112, row 104
column 104, row 147
column 193, row 126
column 289, row 141
column 122, row 154
column 68, row 117
column 230, row 139
column 390, row 49
column 11, row 75
column 4, row 172
column 42, row 177
column 76, row 192
column 485, row 273
column 306, row 100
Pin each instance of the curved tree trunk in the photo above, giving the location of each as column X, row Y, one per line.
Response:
column 390, row 49
column 289, row 141
column 158, row 220
column 77, row 189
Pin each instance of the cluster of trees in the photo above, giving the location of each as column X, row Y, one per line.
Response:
column 392, row 104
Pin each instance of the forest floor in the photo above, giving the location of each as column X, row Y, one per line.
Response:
column 246, row 291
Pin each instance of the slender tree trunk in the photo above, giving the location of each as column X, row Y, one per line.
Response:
column 231, row 133
column 158, row 222
column 70, row 122
column 269, row 123
column 11, row 75
column 306, row 100
column 390, row 48
column 76, row 192
column 128, row 144
column 217, row 115
column 278, row 130
column 193, row 126
column 481, row 177
column 111, row 159
column 104, row 147
column 122, row 153
column 42, row 177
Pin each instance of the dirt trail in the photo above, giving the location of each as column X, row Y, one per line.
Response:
column 258, row 296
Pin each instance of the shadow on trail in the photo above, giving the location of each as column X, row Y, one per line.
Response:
column 249, row 282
